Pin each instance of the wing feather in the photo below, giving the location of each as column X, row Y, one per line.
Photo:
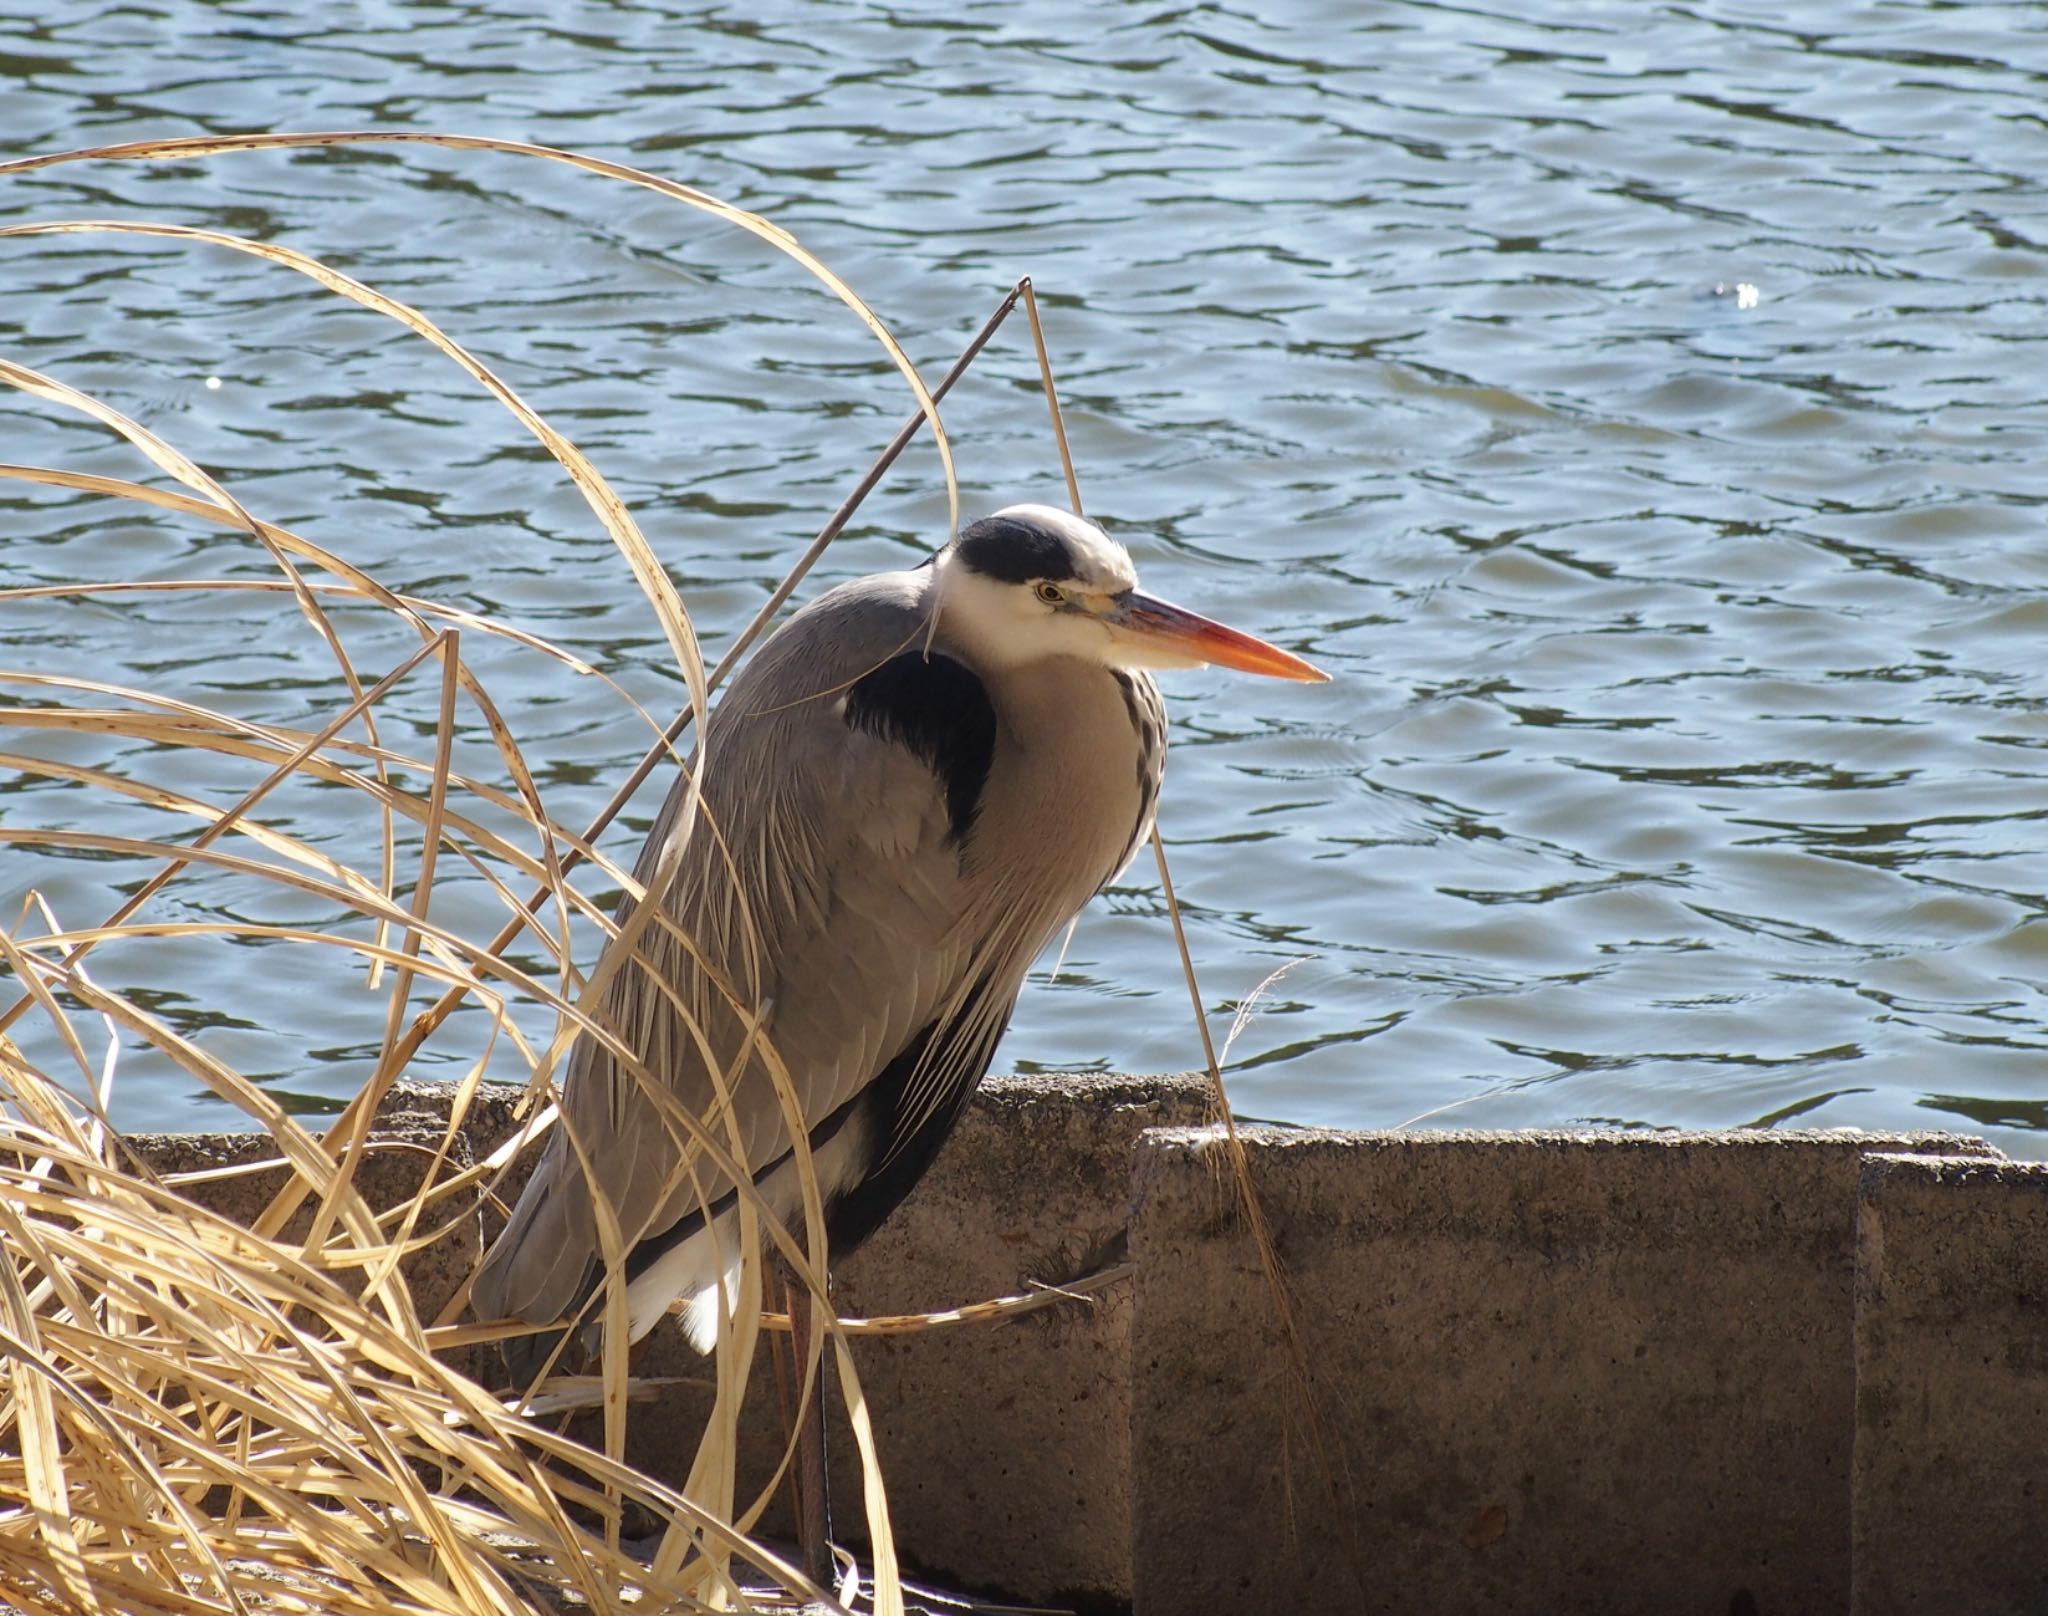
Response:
column 823, row 890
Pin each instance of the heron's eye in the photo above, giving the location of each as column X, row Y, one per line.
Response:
column 1051, row 594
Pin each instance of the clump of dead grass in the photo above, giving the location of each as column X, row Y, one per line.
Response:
column 198, row 1416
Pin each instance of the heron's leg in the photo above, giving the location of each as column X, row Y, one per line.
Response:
column 813, row 1504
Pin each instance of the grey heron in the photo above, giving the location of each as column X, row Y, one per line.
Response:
column 914, row 784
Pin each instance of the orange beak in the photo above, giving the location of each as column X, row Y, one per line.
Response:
column 1152, row 623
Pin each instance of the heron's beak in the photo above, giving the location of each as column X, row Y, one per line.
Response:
column 1169, row 637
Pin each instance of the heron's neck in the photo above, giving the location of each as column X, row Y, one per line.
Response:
column 1060, row 709
column 1076, row 769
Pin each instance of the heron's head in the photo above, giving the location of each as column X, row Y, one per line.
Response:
column 1033, row 581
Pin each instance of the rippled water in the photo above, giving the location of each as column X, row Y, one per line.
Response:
column 1639, row 409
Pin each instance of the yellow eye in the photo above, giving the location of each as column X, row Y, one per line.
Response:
column 1051, row 594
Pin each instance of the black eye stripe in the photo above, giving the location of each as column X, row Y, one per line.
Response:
column 939, row 710
column 1015, row 552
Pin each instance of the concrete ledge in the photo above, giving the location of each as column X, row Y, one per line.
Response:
column 1585, row 1372
column 1951, row 1465
column 1589, row 1372
column 1007, row 1447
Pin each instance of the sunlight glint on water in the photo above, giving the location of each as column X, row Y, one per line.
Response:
column 1640, row 412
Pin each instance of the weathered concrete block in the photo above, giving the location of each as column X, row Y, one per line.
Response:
column 401, row 1155
column 1951, row 1456
column 1585, row 1372
column 1007, row 1447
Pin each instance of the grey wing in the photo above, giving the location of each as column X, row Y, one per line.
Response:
column 822, row 892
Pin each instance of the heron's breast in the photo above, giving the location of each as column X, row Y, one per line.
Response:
column 1074, row 777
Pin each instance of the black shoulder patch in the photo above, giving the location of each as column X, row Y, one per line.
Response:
column 1014, row 552
column 937, row 708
